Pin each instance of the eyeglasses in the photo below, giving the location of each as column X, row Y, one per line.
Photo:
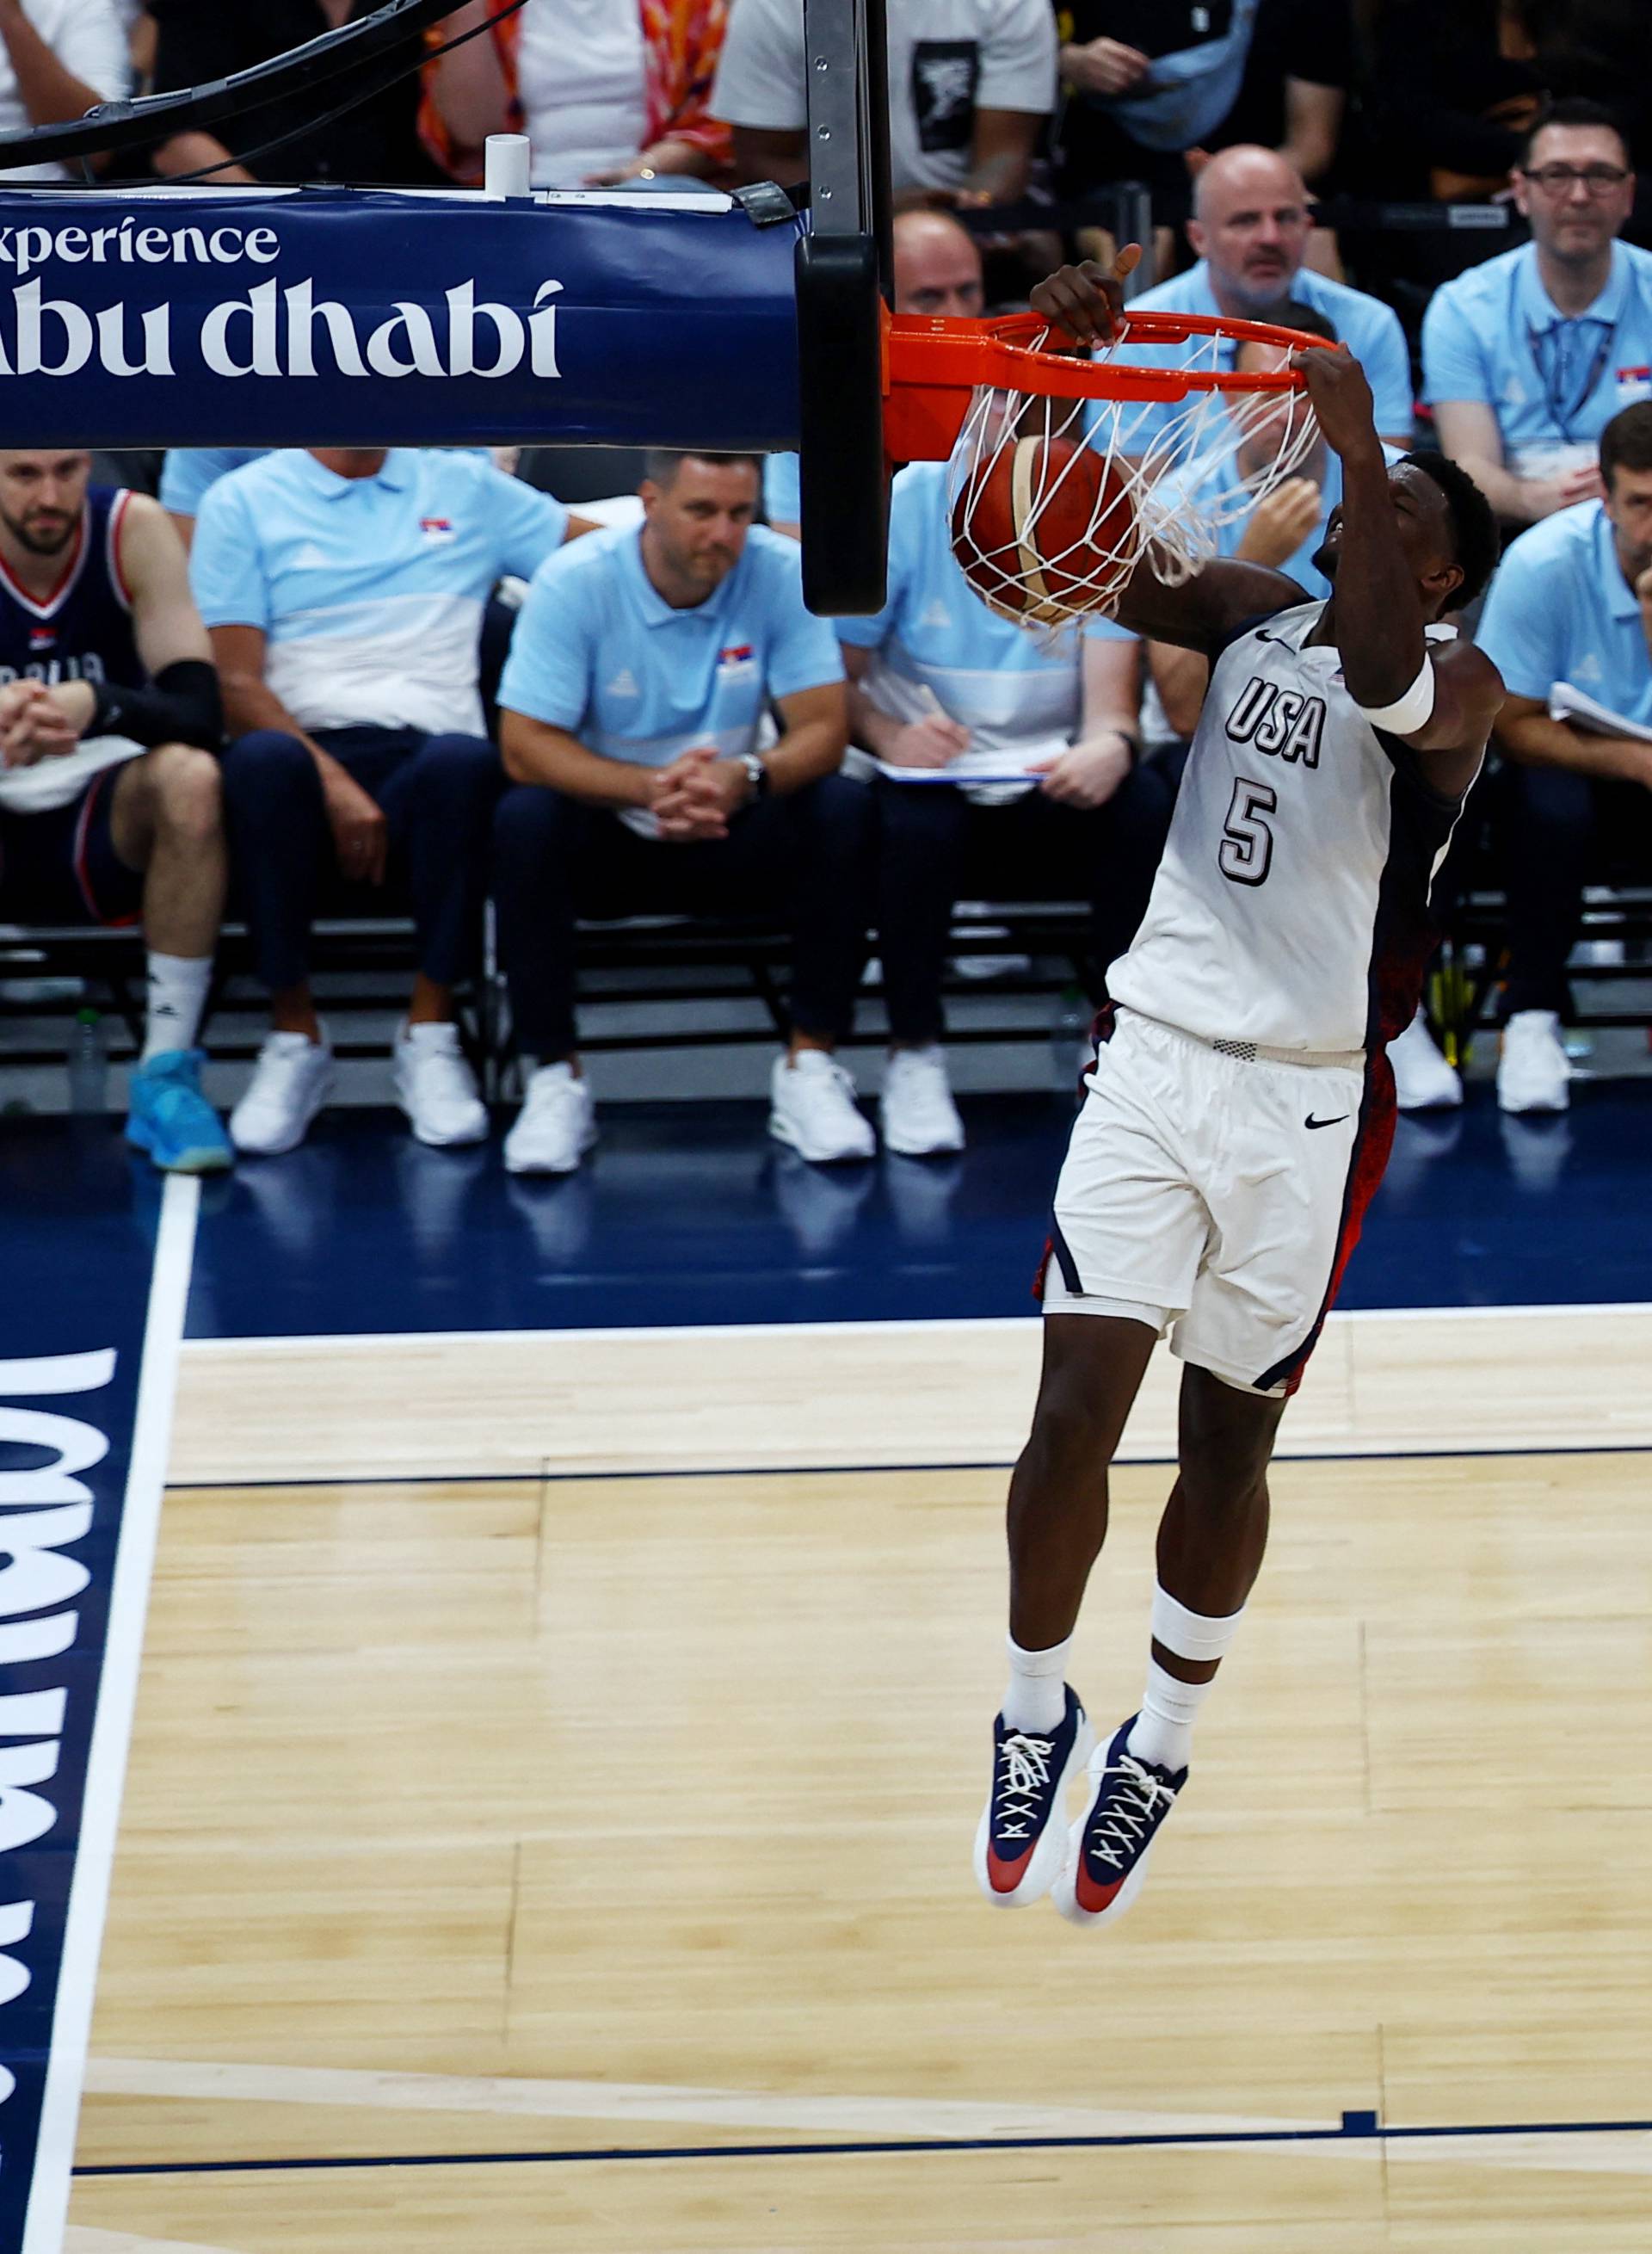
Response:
column 1560, row 179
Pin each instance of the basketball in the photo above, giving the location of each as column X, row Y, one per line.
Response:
column 1047, row 529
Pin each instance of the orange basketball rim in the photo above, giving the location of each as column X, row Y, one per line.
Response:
column 1069, row 468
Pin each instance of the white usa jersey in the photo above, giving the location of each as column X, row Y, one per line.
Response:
column 1291, row 906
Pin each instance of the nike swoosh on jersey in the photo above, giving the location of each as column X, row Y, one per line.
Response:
column 1311, row 1122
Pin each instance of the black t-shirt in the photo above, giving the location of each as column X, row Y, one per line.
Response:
column 1309, row 40
column 1157, row 27
column 376, row 145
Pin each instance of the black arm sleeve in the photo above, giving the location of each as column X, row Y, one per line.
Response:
column 181, row 705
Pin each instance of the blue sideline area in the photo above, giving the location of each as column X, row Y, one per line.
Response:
column 689, row 1214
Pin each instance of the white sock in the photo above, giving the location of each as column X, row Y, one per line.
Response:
column 177, row 986
column 1162, row 1731
column 1036, row 1699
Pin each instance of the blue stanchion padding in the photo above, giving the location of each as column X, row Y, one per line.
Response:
column 349, row 317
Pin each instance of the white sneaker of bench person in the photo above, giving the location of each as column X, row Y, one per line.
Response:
column 1534, row 1072
column 437, row 1088
column 813, row 1109
column 555, row 1126
column 291, row 1082
column 916, row 1113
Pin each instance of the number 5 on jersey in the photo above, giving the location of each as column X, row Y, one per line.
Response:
column 1246, row 852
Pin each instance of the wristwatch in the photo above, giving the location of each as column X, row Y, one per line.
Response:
column 756, row 774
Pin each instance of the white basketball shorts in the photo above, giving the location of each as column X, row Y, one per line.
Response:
column 1221, row 1194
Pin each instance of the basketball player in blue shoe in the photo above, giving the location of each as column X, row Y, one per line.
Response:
column 109, row 798
column 1241, row 1108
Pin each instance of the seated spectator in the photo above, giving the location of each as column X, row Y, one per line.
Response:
column 1153, row 86
column 1527, row 358
column 1295, row 89
column 938, row 271
column 943, row 683
column 58, row 60
column 1571, row 603
column 372, row 141
column 607, row 91
column 971, row 84
column 344, row 588
column 109, row 800
column 1250, row 231
column 632, row 714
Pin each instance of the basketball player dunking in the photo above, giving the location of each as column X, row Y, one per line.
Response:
column 1241, row 1106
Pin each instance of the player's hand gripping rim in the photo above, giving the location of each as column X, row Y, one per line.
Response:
column 1086, row 303
column 1340, row 397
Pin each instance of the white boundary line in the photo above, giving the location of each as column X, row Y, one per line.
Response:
column 217, row 2082
column 342, row 1340
column 112, row 1727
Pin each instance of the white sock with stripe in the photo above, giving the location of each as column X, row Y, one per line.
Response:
column 1162, row 1731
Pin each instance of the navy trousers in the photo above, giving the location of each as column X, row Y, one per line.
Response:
column 805, row 859
column 437, row 793
column 1561, row 831
column 935, row 848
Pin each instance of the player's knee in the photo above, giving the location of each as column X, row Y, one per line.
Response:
column 189, row 794
column 1226, row 1438
column 1075, row 1426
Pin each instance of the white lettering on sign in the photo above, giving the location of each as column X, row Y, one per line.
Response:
column 274, row 332
column 25, row 248
column 45, row 1511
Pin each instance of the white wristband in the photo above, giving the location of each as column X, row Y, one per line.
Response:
column 1408, row 713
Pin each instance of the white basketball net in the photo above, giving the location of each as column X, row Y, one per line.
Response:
column 1166, row 464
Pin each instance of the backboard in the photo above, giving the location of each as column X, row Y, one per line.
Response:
column 845, row 267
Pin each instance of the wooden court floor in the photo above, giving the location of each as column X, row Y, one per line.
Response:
column 603, row 1840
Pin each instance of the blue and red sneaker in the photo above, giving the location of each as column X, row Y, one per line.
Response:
column 1022, row 1834
column 1108, row 1847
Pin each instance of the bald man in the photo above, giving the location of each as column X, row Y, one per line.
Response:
column 1250, row 229
column 938, row 271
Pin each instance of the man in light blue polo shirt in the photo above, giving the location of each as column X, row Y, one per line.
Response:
column 1250, row 228
column 344, row 588
column 945, row 690
column 635, row 717
column 1572, row 605
column 1527, row 358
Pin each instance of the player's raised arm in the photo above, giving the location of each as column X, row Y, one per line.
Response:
column 1408, row 544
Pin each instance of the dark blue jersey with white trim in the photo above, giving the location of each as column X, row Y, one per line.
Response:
column 82, row 630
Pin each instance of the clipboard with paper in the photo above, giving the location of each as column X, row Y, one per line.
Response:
column 1568, row 703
